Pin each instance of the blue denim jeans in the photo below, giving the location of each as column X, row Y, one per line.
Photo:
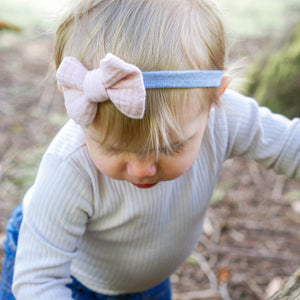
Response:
column 9, row 248
column 79, row 292
column 160, row 292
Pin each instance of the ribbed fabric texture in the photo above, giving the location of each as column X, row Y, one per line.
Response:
column 116, row 238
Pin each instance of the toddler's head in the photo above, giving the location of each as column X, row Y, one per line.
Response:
column 153, row 35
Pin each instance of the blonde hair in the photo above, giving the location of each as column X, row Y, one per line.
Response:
column 153, row 35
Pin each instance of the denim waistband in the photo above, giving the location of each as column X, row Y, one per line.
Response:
column 162, row 291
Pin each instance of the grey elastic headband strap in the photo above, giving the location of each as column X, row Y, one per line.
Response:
column 182, row 79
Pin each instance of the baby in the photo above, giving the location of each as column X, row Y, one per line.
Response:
column 122, row 191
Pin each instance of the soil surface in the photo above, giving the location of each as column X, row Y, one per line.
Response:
column 251, row 240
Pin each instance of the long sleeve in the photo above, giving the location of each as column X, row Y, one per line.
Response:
column 54, row 221
column 256, row 133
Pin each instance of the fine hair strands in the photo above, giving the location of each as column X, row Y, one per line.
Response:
column 153, row 35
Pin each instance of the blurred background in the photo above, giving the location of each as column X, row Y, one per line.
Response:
column 251, row 237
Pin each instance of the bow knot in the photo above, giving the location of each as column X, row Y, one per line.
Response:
column 93, row 86
column 114, row 80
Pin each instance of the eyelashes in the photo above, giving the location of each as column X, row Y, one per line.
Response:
column 173, row 150
column 165, row 151
column 112, row 152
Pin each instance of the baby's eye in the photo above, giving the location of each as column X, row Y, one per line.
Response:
column 175, row 149
column 111, row 151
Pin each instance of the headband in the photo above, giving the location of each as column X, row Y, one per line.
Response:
column 122, row 83
column 182, row 79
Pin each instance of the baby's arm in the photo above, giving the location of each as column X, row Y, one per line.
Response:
column 256, row 133
column 53, row 222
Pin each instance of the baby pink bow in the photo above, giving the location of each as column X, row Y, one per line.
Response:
column 114, row 80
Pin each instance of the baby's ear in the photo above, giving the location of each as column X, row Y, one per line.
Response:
column 226, row 79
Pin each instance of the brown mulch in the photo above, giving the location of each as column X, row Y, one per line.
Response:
column 251, row 237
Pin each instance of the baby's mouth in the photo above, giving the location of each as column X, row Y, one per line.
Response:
column 145, row 186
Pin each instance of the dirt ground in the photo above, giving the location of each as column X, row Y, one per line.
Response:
column 251, row 240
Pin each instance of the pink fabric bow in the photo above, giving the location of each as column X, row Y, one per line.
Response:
column 114, row 80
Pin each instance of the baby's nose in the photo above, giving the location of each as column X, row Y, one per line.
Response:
column 142, row 168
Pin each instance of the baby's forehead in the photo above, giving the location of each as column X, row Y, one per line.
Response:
column 140, row 141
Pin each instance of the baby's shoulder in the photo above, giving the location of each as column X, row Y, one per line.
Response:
column 68, row 153
column 68, row 142
column 236, row 107
column 232, row 98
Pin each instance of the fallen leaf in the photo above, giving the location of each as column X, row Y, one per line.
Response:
column 223, row 275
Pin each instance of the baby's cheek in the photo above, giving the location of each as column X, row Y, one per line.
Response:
column 110, row 168
column 177, row 166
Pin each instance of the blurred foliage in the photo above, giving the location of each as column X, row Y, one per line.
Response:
column 19, row 174
column 292, row 195
column 256, row 18
column 221, row 189
column 31, row 13
column 275, row 79
column 245, row 18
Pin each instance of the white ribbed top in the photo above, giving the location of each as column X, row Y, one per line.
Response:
column 116, row 238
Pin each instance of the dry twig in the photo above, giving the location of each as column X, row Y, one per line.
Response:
column 204, row 266
column 278, row 187
column 255, row 289
column 255, row 253
column 197, row 295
